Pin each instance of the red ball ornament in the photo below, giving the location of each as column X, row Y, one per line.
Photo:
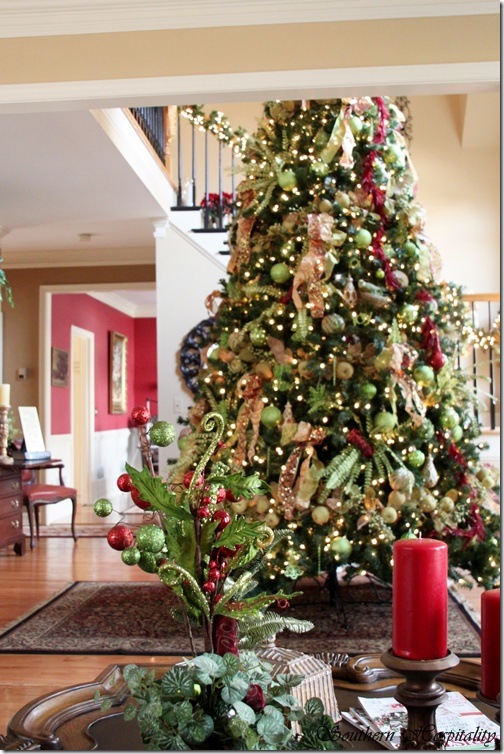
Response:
column 188, row 479
column 203, row 512
column 125, row 483
column 221, row 495
column 222, row 517
column 231, row 498
column 209, row 587
column 138, row 500
column 120, row 537
column 140, row 415
column 214, row 574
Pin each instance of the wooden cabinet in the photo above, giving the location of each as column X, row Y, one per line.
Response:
column 11, row 509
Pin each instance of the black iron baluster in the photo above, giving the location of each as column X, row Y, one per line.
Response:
column 207, row 208
column 220, row 220
column 474, row 363
column 179, row 160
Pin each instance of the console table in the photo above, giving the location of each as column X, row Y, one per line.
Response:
column 11, row 509
column 71, row 720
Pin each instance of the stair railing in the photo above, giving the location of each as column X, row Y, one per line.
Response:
column 483, row 356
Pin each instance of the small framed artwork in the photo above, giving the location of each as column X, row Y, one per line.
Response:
column 118, row 345
column 59, row 367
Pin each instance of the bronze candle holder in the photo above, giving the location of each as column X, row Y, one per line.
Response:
column 421, row 694
column 4, row 435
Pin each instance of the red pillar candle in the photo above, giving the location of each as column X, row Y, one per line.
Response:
column 490, row 643
column 420, row 599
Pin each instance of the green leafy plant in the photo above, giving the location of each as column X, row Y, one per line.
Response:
column 220, row 702
column 208, row 555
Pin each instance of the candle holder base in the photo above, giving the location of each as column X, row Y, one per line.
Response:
column 421, row 694
column 487, row 699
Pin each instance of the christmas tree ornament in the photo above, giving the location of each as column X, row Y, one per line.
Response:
column 222, row 517
column 446, row 504
column 120, row 537
column 424, row 375
column 449, row 418
column 384, row 421
column 344, row 370
column 427, row 504
column 124, row 483
column 389, row 515
column 264, row 369
column 150, row 538
column 103, row 507
column 402, row 479
column 272, row 520
column 333, row 323
column 271, row 416
column 140, row 415
column 363, row 238
column 429, row 473
column 367, row 390
column 287, row 180
column 416, row 458
column 456, row 433
column 425, row 430
column 280, row 273
column 148, row 562
column 131, row 556
column 136, row 496
column 162, row 433
column 325, row 205
column 320, row 514
column 258, row 336
column 396, row 499
column 355, row 124
column 341, row 547
column 240, row 507
column 408, row 313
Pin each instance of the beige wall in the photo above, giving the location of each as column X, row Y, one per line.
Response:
column 21, row 323
column 313, row 46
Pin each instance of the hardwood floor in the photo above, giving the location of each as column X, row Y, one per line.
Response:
column 31, row 579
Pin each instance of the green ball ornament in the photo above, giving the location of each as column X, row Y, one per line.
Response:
column 148, row 562
column 150, row 538
column 320, row 168
column 103, row 507
column 363, row 238
column 355, row 124
column 368, row 391
column 416, row 458
column 409, row 535
column 384, row 421
column 183, row 442
column 426, row 430
column 320, row 515
column 411, row 250
column 280, row 273
column 380, row 274
column 341, row 547
column 383, row 359
column 131, row 556
column 213, row 354
column 271, row 416
column 424, row 375
column 456, row 433
column 449, row 418
column 258, row 336
column 162, row 433
column 408, row 313
column 287, row 180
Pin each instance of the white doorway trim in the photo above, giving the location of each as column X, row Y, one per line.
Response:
column 45, row 318
column 82, row 401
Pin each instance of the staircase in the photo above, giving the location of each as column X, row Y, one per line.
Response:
column 213, row 241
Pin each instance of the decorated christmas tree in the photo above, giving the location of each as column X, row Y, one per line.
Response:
column 333, row 356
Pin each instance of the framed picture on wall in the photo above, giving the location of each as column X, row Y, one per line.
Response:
column 59, row 367
column 117, row 373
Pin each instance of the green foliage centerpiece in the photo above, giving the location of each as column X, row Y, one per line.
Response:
column 208, row 557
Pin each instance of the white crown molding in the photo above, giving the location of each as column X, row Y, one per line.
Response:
column 33, row 18
column 19, row 260
column 447, row 78
column 122, row 305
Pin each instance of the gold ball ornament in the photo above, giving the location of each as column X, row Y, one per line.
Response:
column 320, row 515
column 446, row 504
column 264, row 369
column 240, row 507
column 453, row 494
column 287, row 180
column 389, row 515
column 262, row 504
column 396, row 499
column 325, row 205
column 344, row 370
column 428, row 504
column 272, row 520
column 333, row 323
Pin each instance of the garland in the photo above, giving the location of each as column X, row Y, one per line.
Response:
column 217, row 124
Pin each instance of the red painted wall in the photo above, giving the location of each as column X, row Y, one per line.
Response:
column 86, row 312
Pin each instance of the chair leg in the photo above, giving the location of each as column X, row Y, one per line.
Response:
column 37, row 520
column 30, row 521
column 74, row 507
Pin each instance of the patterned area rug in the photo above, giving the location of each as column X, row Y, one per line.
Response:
column 135, row 618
